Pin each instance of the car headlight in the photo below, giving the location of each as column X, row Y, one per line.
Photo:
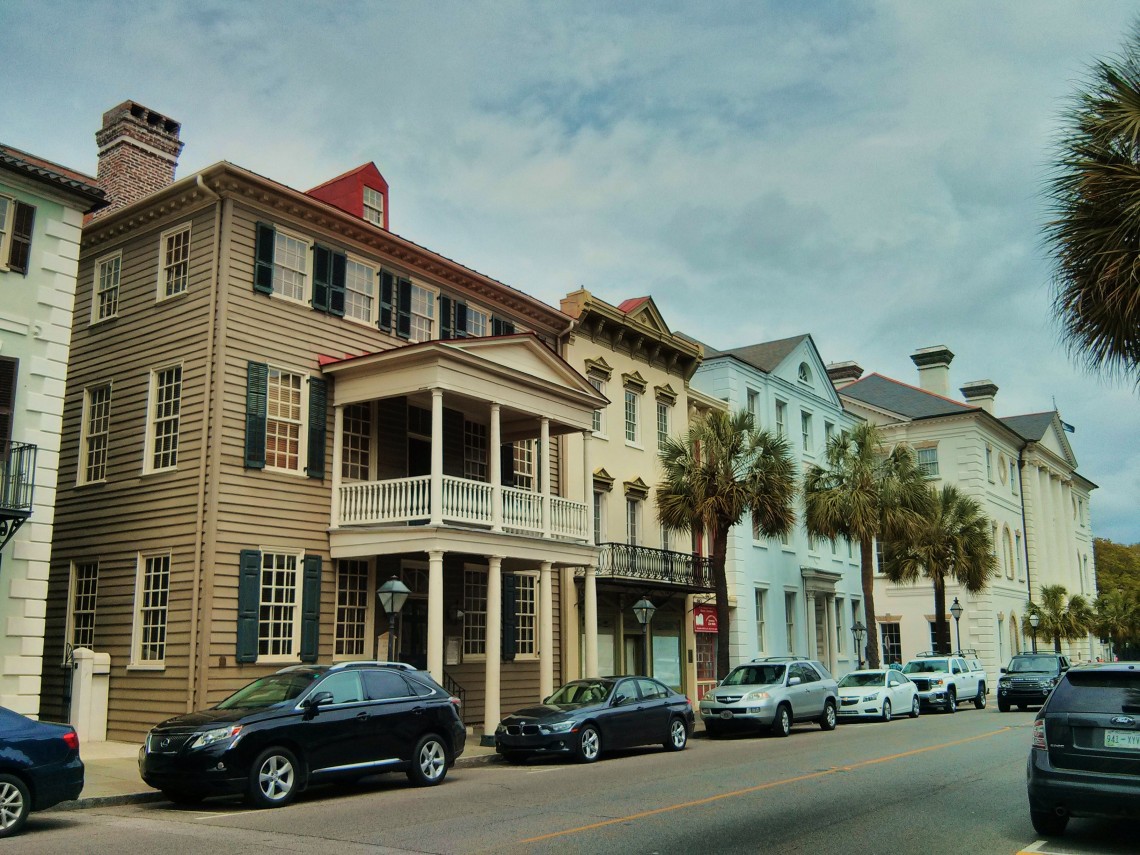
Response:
column 874, row 696
column 1004, row 681
column 558, row 727
column 218, row 734
column 502, row 728
column 937, row 681
column 757, row 696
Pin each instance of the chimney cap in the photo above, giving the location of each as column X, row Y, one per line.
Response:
column 848, row 370
column 143, row 115
column 938, row 356
column 979, row 389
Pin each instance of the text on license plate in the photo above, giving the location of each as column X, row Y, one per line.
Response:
column 1122, row 739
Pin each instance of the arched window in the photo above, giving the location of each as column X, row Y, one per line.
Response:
column 1014, row 635
column 1009, row 554
column 805, row 373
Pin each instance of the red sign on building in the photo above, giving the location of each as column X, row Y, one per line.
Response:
column 704, row 618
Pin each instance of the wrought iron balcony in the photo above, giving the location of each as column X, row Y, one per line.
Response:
column 17, row 483
column 683, row 570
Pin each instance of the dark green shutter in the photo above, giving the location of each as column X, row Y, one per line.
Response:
column 263, row 258
column 311, row 608
column 510, row 617
column 387, row 296
column 322, row 274
column 336, row 284
column 318, row 426
column 501, row 327
column 446, row 330
column 256, row 394
column 507, row 463
column 460, row 320
column 404, row 308
column 21, row 249
column 249, row 604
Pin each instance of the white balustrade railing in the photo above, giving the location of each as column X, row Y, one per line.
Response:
column 567, row 519
column 466, row 501
column 522, row 510
column 395, row 500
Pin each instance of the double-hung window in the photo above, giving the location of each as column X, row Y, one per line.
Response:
column 162, row 417
column 477, row 321
column 84, row 587
column 599, row 383
column 356, row 436
column 423, row 313
column 781, row 419
column 662, row 424
column 374, row 206
column 474, row 611
column 351, row 608
column 281, row 420
column 278, row 623
column 152, row 592
column 526, row 614
column 632, row 521
column 790, row 620
column 16, row 220
column 290, row 266
column 360, row 291
column 927, row 460
column 523, row 452
column 805, row 432
column 761, row 596
column 632, row 406
column 105, row 303
column 284, row 425
column 96, row 432
column 279, row 605
column 174, row 263
column 474, row 451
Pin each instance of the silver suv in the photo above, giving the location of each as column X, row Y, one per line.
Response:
column 771, row 693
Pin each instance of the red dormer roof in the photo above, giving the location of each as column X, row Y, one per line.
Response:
column 627, row 306
column 346, row 191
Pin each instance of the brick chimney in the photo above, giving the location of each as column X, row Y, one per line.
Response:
column 138, row 152
column 934, row 368
column 844, row 373
column 980, row 393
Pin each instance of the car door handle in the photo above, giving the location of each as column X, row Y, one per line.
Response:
column 418, row 710
column 362, row 716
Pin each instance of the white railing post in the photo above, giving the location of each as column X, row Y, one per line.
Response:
column 496, row 469
column 436, row 492
column 544, row 441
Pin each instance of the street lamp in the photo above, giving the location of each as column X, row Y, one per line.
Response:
column 1034, row 621
column 860, row 632
column 643, row 610
column 956, row 610
column 393, row 594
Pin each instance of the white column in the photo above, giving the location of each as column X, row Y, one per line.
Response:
column 491, row 714
column 436, row 491
column 588, row 485
column 833, row 633
column 496, row 468
column 1042, row 531
column 812, row 649
column 435, row 615
column 546, row 626
column 544, row 441
column 590, row 621
column 1076, row 580
column 338, row 454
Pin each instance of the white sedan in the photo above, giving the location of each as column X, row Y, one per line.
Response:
column 879, row 692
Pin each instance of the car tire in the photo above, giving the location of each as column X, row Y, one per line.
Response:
column 183, row 797
column 589, row 744
column 15, row 805
column 782, row 723
column 1048, row 823
column 915, row 707
column 1003, row 706
column 274, row 778
column 678, row 735
column 429, row 762
column 828, row 719
column 951, row 701
column 980, row 698
column 886, row 714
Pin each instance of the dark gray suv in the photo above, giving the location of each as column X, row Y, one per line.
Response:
column 1029, row 678
column 1085, row 758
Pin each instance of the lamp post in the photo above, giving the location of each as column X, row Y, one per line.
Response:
column 1034, row 621
column 643, row 610
column 956, row 610
column 393, row 594
column 860, row 632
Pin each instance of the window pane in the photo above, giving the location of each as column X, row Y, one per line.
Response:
column 351, row 607
column 153, row 596
column 277, row 613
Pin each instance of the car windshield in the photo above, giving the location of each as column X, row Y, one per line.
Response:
column 269, row 691
column 1032, row 663
column 755, row 675
column 926, row 666
column 581, row 692
column 856, row 681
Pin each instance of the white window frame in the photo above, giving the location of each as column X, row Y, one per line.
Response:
column 990, row 463
column 266, row 640
column 372, row 201
column 664, row 411
column 352, row 623
column 282, row 249
column 475, row 444
column 523, row 454
column 526, row 615
column 781, row 418
column 803, row 373
column 151, row 610
column 474, row 613
column 752, row 397
column 423, row 313
column 82, row 592
column 302, row 421
column 761, row 604
column 360, row 301
column 929, row 468
column 632, row 417
column 174, row 269
column 356, row 442
column 599, row 424
column 156, row 419
column 632, row 521
column 7, row 214
column 106, row 295
column 478, row 322
column 790, row 606
column 88, row 437
column 599, row 516
column 806, row 432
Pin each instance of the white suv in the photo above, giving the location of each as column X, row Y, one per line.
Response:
column 771, row 693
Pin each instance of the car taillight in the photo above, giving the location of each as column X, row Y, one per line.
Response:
column 1039, row 735
column 458, row 704
column 71, row 740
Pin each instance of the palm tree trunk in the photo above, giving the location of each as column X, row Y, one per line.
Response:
column 941, row 625
column 867, row 574
column 720, row 583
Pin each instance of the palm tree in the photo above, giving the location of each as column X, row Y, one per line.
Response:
column 1115, row 618
column 1060, row 616
column 863, row 493
column 952, row 542
column 715, row 474
column 1094, row 235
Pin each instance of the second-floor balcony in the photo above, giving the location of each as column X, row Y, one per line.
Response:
column 17, row 486
column 683, row 570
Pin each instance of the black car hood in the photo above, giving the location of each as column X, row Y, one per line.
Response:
column 213, row 718
column 551, row 711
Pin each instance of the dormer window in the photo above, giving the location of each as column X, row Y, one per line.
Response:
column 374, row 207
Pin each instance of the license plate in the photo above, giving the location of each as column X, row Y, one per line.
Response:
column 726, row 713
column 1127, row 739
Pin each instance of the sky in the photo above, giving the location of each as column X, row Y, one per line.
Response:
column 872, row 173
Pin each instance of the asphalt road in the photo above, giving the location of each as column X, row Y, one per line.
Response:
column 937, row 784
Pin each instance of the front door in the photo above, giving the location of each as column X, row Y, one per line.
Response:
column 413, row 637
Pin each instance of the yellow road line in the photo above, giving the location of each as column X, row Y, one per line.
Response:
column 759, row 787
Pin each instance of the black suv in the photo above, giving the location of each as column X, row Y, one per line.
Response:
column 306, row 725
column 1029, row 678
column 1085, row 758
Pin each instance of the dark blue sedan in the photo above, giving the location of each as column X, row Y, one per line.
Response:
column 39, row 767
column 586, row 716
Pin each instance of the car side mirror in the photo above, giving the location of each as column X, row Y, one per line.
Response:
column 619, row 700
column 794, row 681
column 1003, row 670
column 319, row 699
column 1064, row 668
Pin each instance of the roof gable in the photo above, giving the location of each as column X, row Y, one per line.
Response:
column 645, row 311
column 889, row 395
column 1047, row 430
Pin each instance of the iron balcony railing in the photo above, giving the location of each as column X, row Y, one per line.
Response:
column 683, row 569
column 17, row 479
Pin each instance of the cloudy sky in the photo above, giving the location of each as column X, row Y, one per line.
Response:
column 868, row 172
